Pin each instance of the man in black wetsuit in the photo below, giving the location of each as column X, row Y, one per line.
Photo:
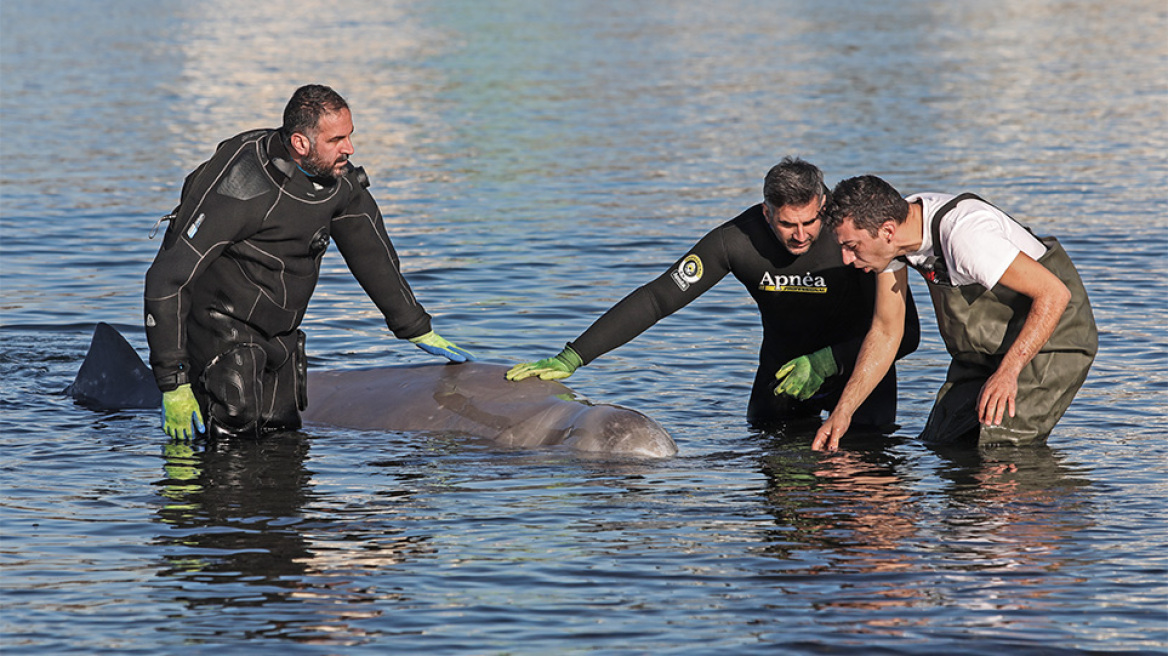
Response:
column 230, row 285
column 815, row 310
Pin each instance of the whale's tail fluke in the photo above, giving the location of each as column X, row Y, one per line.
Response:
column 113, row 376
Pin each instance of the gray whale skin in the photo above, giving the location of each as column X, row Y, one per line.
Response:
column 470, row 399
column 475, row 399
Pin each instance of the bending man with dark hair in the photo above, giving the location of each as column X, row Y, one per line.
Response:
column 815, row 310
column 1010, row 307
column 230, row 285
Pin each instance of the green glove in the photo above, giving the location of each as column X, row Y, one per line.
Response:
column 555, row 368
column 181, row 418
column 803, row 376
column 436, row 344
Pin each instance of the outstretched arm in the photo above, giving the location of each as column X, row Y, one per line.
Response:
column 688, row 278
column 1049, row 298
column 876, row 356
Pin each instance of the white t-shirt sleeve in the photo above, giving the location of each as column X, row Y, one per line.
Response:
column 977, row 247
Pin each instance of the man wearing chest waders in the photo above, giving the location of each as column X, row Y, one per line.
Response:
column 1010, row 307
column 815, row 309
column 230, row 285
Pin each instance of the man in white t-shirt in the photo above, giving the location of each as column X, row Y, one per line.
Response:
column 1010, row 307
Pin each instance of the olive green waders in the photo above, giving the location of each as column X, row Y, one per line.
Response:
column 979, row 326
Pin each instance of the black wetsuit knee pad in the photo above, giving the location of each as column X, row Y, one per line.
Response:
column 233, row 384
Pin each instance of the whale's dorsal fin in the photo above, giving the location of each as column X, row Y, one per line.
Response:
column 113, row 376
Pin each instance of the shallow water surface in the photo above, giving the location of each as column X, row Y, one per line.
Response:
column 535, row 163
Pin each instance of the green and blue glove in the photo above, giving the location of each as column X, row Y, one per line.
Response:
column 555, row 368
column 181, row 418
column 803, row 376
column 435, row 344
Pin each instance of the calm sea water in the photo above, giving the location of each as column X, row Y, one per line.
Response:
column 536, row 161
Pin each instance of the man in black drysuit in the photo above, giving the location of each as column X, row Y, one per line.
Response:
column 230, row 285
column 815, row 310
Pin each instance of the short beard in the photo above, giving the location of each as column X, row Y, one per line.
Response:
column 317, row 168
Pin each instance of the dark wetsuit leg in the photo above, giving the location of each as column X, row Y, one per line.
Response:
column 767, row 411
column 876, row 414
column 240, row 391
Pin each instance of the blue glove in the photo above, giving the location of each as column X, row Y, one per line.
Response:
column 435, row 344
column 181, row 418
column 556, row 368
column 803, row 376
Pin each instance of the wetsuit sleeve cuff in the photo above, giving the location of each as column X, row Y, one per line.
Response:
column 170, row 381
column 417, row 329
column 584, row 358
column 570, row 355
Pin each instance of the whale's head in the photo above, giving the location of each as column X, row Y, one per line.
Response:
column 617, row 430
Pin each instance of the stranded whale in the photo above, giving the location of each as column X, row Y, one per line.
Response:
column 470, row 399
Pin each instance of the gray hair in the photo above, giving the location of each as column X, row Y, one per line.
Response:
column 793, row 181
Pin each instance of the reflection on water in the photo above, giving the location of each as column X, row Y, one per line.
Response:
column 996, row 537
column 247, row 531
column 857, row 515
column 236, row 508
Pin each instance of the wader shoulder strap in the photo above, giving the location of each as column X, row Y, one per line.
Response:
column 934, row 269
